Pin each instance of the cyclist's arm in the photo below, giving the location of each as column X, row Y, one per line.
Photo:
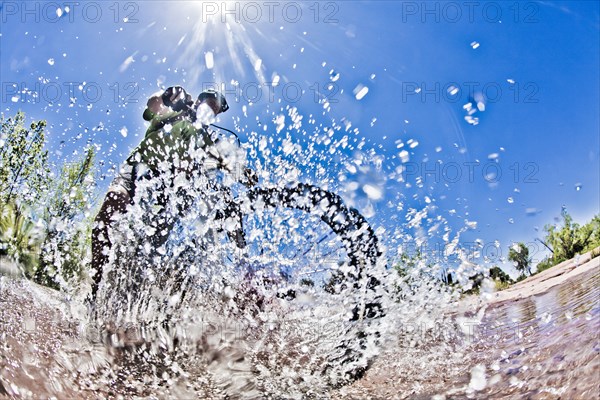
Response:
column 233, row 162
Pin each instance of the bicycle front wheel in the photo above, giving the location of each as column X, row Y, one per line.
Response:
column 305, row 244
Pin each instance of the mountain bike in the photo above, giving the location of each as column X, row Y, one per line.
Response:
column 293, row 245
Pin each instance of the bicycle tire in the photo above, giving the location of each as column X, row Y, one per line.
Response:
column 361, row 245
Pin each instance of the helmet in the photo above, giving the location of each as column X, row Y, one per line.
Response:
column 213, row 94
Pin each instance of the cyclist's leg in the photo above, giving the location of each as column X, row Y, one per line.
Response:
column 232, row 210
column 119, row 196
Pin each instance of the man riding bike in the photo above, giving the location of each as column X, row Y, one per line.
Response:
column 177, row 143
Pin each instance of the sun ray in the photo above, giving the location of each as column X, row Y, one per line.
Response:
column 233, row 52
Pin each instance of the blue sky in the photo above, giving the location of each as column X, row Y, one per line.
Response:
column 534, row 66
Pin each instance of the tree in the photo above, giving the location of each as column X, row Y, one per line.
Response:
column 19, row 237
column 67, row 229
column 37, row 209
column 24, row 171
column 519, row 255
column 500, row 278
column 569, row 240
column 24, row 180
column 572, row 239
column 497, row 274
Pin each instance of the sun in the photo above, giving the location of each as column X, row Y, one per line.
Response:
column 220, row 43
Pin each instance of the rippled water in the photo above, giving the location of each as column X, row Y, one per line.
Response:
column 540, row 347
column 430, row 345
column 544, row 346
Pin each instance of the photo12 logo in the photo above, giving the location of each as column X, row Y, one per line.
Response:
column 51, row 92
column 70, row 11
column 469, row 171
column 453, row 12
column 455, row 92
column 491, row 251
column 274, row 90
column 270, row 11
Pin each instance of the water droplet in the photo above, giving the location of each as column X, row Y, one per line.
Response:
column 531, row 211
column 404, row 157
column 373, row 192
column 569, row 315
column 275, row 80
column 452, row 90
column 334, row 75
column 546, row 318
column 209, row 60
column 472, row 120
column 471, row 224
column 360, row 91
column 478, row 379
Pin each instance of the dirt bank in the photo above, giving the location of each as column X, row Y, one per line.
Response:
column 549, row 278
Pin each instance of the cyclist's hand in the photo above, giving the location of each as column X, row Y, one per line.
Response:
column 177, row 98
column 250, row 177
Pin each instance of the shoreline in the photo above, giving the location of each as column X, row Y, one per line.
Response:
column 545, row 280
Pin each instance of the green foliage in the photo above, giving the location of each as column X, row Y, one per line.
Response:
column 476, row 282
column 499, row 285
column 68, row 234
column 594, row 227
column 519, row 255
column 39, row 211
column 24, row 171
column 570, row 239
column 24, row 181
column 521, row 278
column 544, row 264
column 497, row 274
column 406, row 264
column 19, row 237
column 415, row 271
column 501, row 279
